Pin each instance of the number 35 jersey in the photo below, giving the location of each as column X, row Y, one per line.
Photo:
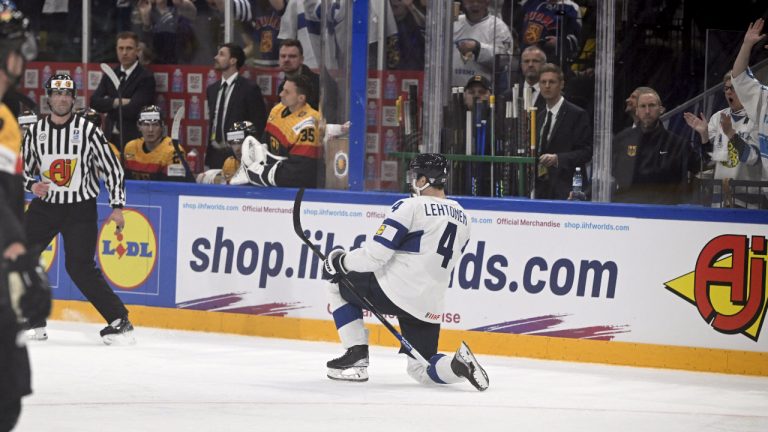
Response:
column 413, row 253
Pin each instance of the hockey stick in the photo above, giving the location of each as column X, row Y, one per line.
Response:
column 116, row 82
column 175, row 139
column 347, row 284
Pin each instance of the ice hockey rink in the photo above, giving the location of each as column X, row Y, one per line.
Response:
column 186, row 381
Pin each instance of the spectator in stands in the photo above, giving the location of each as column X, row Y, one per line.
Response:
column 167, row 28
column 153, row 156
column 292, row 64
column 478, row 88
column 565, row 137
column 405, row 51
column 136, row 90
column 231, row 100
column 730, row 138
column 261, row 26
column 554, row 26
column 751, row 93
column 651, row 164
column 478, row 37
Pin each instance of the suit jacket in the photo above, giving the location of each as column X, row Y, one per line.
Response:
column 571, row 140
column 139, row 87
column 245, row 103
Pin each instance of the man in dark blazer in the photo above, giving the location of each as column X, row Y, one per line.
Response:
column 565, row 137
column 230, row 100
column 137, row 89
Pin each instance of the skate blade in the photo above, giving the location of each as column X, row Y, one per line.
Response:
column 353, row 374
column 480, row 381
column 119, row 339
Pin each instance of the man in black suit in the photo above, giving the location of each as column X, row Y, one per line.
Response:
column 137, row 89
column 565, row 137
column 233, row 99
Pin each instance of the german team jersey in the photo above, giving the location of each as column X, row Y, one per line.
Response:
column 295, row 135
column 152, row 165
column 10, row 142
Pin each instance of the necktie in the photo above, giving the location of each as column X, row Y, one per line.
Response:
column 220, row 113
column 122, row 76
column 545, row 131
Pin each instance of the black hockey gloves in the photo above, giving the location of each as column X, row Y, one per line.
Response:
column 334, row 265
column 30, row 292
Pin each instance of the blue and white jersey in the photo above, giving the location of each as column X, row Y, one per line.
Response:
column 754, row 97
column 414, row 252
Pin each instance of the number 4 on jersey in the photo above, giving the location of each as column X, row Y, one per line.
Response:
column 445, row 245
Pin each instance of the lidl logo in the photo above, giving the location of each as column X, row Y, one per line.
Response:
column 60, row 171
column 49, row 253
column 128, row 258
column 728, row 286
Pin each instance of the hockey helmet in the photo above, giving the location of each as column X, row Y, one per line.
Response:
column 60, row 82
column 433, row 166
column 14, row 35
column 27, row 118
column 239, row 131
column 89, row 114
column 150, row 114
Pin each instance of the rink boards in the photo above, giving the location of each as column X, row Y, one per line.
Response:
column 677, row 287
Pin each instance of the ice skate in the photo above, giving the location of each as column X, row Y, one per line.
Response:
column 120, row 331
column 352, row 366
column 464, row 364
column 37, row 334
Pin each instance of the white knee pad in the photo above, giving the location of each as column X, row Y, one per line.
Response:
column 208, row 177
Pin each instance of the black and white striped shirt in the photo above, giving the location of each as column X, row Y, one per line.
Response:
column 71, row 158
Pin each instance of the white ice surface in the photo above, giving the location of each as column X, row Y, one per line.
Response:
column 185, row 381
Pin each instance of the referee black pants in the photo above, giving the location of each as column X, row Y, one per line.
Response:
column 78, row 225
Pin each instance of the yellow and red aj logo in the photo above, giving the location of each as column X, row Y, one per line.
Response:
column 60, row 172
column 728, row 286
column 128, row 258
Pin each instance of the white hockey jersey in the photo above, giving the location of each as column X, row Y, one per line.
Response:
column 725, row 155
column 414, row 252
column 754, row 97
column 494, row 38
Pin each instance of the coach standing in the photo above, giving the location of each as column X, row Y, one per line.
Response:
column 70, row 153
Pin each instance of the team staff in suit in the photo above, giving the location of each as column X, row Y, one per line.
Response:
column 565, row 137
column 137, row 90
column 231, row 100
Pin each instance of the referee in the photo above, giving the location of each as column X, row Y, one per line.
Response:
column 69, row 153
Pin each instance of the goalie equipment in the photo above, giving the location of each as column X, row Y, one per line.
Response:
column 253, row 152
column 240, row 177
column 464, row 364
column 352, row 366
column 118, row 331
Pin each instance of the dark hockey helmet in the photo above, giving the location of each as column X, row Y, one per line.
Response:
column 14, row 34
column 89, row 114
column 60, row 82
column 433, row 166
column 239, row 131
column 150, row 114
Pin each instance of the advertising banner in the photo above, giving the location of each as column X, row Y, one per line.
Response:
column 660, row 281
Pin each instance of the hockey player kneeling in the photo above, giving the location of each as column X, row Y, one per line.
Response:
column 405, row 271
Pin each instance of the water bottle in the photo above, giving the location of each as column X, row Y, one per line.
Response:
column 192, row 160
column 177, row 83
column 577, row 192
